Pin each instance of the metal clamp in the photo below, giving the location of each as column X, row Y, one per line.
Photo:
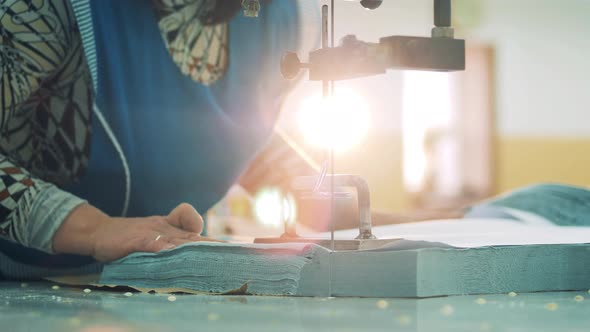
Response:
column 345, row 180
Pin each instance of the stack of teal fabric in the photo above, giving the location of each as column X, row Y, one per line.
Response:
column 554, row 257
column 215, row 268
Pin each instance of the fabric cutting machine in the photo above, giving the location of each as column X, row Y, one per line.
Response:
column 354, row 58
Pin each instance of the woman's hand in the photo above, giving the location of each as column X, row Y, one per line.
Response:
column 88, row 231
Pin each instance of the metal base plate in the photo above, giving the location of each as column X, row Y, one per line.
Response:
column 339, row 245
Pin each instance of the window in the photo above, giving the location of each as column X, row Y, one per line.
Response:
column 448, row 134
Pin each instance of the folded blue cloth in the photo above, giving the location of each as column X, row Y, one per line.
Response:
column 562, row 205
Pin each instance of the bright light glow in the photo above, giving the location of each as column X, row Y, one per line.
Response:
column 337, row 122
column 428, row 116
column 273, row 208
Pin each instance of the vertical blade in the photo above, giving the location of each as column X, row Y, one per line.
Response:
column 332, row 148
column 325, row 86
column 332, row 205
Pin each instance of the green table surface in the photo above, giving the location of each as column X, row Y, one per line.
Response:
column 39, row 307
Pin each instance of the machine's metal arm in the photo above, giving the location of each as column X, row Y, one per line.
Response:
column 354, row 58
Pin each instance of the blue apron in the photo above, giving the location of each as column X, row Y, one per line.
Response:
column 185, row 142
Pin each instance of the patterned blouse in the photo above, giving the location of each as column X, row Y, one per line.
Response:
column 46, row 100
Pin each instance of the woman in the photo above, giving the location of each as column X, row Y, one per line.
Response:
column 175, row 95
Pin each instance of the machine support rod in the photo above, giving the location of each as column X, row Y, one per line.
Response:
column 332, row 19
column 442, row 13
column 324, row 26
column 325, row 84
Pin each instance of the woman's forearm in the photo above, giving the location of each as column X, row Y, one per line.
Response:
column 76, row 235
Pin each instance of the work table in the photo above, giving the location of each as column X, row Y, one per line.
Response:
column 39, row 306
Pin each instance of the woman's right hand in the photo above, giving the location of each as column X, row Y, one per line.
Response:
column 88, row 231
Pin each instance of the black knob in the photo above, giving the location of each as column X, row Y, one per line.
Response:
column 290, row 65
column 371, row 4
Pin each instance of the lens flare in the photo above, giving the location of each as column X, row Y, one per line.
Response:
column 338, row 122
column 273, row 208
